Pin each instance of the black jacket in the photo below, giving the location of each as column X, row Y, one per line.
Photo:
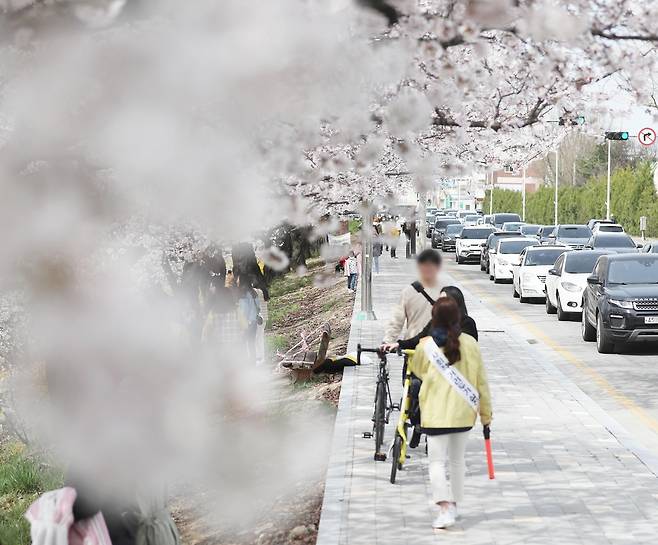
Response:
column 468, row 326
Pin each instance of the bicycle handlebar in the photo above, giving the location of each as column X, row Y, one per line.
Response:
column 378, row 351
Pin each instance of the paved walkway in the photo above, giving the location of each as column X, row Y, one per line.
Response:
column 566, row 473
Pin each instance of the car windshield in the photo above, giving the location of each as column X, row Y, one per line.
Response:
column 547, row 230
column 610, row 228
column 543, row 257
column 530, row 230
column 514, row 246
column 512, row 226
column 574, row 231
column 631, row 271
column 453, row 229
column 499, row 219
column 472, row 217
column 581, row 262
column 476, row 233
column 442, row 224
column 613, row 241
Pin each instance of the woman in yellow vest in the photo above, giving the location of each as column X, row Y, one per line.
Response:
column 453, row 393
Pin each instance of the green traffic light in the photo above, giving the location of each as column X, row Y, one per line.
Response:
column 624, row 135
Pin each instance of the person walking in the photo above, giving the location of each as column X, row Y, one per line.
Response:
column 414, row 309
column 454, row 391
column 352, row 271
column 248, row 313
column 395, row 237
column 377, row 250
column 468, row 325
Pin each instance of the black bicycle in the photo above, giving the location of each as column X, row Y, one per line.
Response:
column 383, row 401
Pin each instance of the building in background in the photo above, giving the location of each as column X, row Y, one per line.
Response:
column 463, row 193
column 512, row 179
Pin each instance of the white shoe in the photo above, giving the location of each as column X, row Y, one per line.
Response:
column 445, row 518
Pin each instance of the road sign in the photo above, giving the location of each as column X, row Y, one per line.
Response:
column 647, row 136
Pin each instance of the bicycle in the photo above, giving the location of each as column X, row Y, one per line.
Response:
column 383, row 401
column 401, row 442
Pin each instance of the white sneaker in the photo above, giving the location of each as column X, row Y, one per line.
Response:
column 445, row 518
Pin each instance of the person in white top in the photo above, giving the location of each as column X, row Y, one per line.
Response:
column 414, row 310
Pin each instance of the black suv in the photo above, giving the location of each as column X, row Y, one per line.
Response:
column 620, row 302
column 440, row 228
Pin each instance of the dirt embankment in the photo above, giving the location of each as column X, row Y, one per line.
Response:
column 298, row 303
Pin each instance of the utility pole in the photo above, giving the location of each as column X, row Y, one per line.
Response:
column 523, row 195
column 557, row 165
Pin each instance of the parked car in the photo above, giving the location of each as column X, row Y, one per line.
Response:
column 499, row 219
column 567, row 280
column 530, row 275
column 650, row 248
column 469, row 243
column 544, row 234
column 620, row 243
column 461, row 215
column 472, row 219
column 488, row 219
column 530, row 229
column 512, row 226
column 620, row 302
column 575, row 236
column 489, row 250
column 450, row 237
column 508, row 256
column 607, row 228
column 593, row 222
column 440, row 227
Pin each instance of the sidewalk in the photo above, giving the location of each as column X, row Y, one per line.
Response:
column 562, row 477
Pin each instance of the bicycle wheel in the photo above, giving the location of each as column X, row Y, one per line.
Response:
column 380, row 416
column 395, row 457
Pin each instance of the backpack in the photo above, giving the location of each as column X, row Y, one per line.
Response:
column 420, row 289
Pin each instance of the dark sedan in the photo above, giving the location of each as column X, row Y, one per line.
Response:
column 619, row 243
column 490, row 247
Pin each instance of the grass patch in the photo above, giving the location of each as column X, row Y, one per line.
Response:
column 331, row 304
column 22, row 480
column 279, row 311
column 276, row 343
column 284, row 285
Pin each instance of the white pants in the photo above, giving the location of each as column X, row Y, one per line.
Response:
column 444, row 450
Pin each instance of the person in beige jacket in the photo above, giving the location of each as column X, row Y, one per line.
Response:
column 413, row 311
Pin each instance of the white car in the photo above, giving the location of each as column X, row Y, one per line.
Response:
column 471, row 219
column 607, row 228
column 567, row 281
column 530, row 275
column 507, row 256
column 469, row 243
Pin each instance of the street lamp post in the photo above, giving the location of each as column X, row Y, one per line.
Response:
column 523, row 195
column 557, row 165
column 491, row 194
column 607, row 189
column 366, row 267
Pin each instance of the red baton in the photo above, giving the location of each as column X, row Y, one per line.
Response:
column 487, row 445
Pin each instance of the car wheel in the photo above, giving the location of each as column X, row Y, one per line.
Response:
column 586, row 330
column 603, row 343
column 561, row 315
column 521, row 298
column 516, row 293
column 550, row 309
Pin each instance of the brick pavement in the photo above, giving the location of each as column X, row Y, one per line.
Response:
column 566, row 473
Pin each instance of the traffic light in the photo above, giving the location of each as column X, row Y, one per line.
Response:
column 623, row 135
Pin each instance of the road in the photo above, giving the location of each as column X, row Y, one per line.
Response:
column 624, row 384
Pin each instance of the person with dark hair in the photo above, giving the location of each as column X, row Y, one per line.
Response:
column 414, row 309
column 468, row 324
column 454, row 392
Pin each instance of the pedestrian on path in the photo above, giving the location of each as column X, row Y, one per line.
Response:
column 468, row 325
column 454, row 391
column 377, row 251
column 414, row 311
column 395, row 237
column 352, row 271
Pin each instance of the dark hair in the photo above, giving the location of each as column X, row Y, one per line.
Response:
column 429, row 256
column 446, row 315
column 455, row 293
